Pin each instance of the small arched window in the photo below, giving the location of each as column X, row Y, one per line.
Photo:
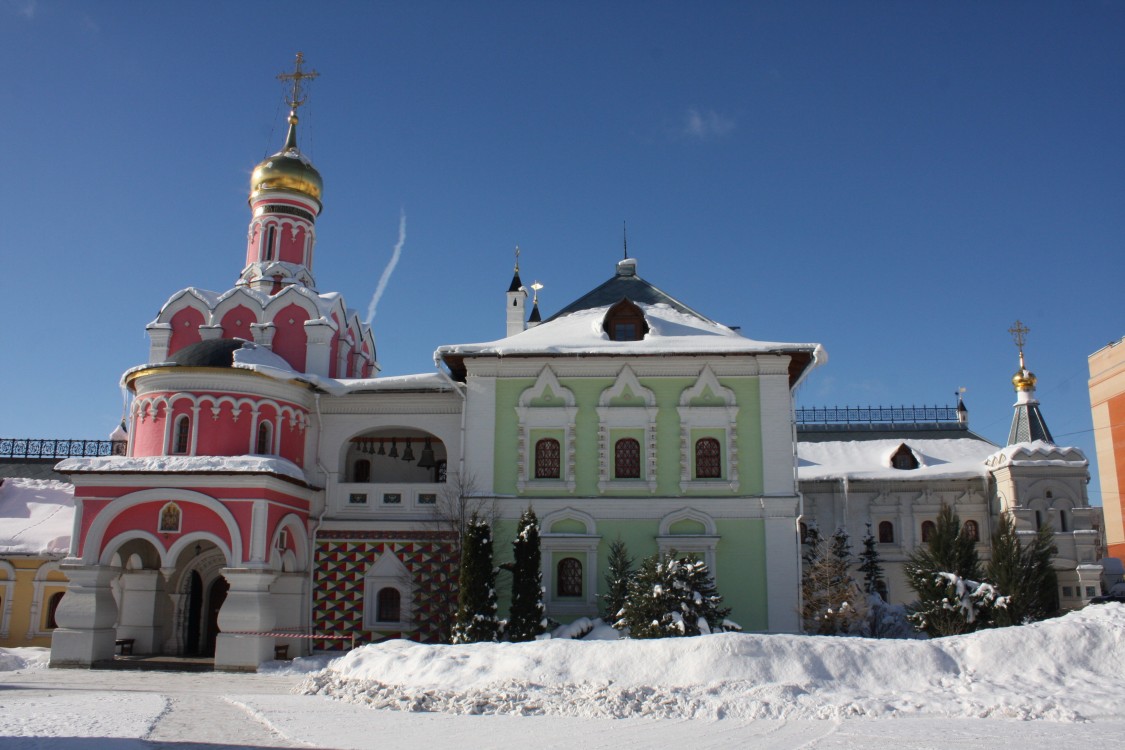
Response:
column 181, row 439
column 1064, row 521
column 627, row 459
column 972, row 530
column 569, row 581
column 1038, row 519
column 804, row 533
column 625, row 322
column 271, row 236
column 928, row 529
column 362, row 471
column 547, row 459
column 52, row 608
column 265, row 439
column 886, row 532
column 388, row 606
column 708, row 459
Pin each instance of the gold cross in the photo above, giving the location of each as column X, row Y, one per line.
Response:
column 298, row 75
column 1019, row 334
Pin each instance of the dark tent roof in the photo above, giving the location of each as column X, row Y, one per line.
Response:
column 626, row 285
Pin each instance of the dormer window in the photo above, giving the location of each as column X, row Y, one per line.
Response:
column 904, row 458
column 625, row 322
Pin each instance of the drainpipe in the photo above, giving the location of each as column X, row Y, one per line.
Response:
column 462, row 392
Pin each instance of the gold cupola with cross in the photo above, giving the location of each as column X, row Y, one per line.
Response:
column 285, row 193
column 1028, row 424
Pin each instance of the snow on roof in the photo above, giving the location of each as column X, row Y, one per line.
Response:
column 670, row 332
column 1038, row 453
column 263, row 361
column 955, row 458
column 36, row 516
column 184, row 464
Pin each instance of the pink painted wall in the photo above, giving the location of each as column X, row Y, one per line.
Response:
column 185, row 329
column 292, row 243
column 236, row 323
column 148, row 435
column 252, row 243
column 289, row 340
column 225, row 436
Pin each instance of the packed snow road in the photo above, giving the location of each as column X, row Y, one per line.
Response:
column 44, row 709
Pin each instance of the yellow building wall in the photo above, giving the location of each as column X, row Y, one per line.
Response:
column 26, row 587
column 1107, row 404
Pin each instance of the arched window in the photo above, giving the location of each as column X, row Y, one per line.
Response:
column 972, row 531
column 1064, row 522
column 569, row 579
column 627, row 459
column 362, row 471
column 886, row 532
column 388, row 607
column 271, row 235
column 547, row 459
column 625, row 322
column 1038, row 519
column 181, row 440
column 52, row 607
column 804, row 533
column 708, row 459
column 265, row 439
column 928, row 530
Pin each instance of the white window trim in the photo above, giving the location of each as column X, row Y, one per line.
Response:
column 37, row 628
column 388, row 572
column 702, row 545
column 546, row 418
column 584, row 547
column 708, row 418
column 612, row 418
column 7, row 590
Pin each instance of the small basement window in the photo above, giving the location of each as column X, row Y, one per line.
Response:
column 625, row 322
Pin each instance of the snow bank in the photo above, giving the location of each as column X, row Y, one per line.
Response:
column 1067, row 669
column 13, row 659
column 36, row 516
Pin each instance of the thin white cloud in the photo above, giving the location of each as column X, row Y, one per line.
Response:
column 705, row 124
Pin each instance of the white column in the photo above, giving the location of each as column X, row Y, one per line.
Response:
column 318, row 334
column 777, row 431
column 85, row 616
column 249, row 607
column 159, row 335
column 782, row 575
column 139, row 596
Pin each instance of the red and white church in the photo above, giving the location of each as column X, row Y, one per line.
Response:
column 200, row 540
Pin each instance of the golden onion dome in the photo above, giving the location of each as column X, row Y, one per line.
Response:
column 1024, row 380
column 288, row 169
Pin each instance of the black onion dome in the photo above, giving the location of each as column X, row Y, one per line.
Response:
column 211, row 353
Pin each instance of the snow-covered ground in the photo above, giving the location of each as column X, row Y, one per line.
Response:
column 1033, row 687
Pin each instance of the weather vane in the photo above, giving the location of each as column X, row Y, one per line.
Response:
column 297, row 76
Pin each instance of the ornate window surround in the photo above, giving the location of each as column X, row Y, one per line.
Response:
column 388, row 572
column 624, row 418
column 702, row 545
column 582, row 546
column 708, row 418
column 545, row 418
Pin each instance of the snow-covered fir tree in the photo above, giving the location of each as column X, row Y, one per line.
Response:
column 476, row 597
column 527, row 617
column 832, row 603
column 1023, row 573
column 617, row 580
column 945, row 573
column 673, row 596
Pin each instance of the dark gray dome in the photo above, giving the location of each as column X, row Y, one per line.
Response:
column 211, row 353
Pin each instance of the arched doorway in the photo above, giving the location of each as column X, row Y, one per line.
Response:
column 194, row 615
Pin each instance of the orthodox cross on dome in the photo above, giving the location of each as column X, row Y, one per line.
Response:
column 1019, row 334
column 535, row 287
column 517, row 258
column 297, row 76
column 624, row 242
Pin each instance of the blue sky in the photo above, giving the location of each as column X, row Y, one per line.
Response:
column 897, row 181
